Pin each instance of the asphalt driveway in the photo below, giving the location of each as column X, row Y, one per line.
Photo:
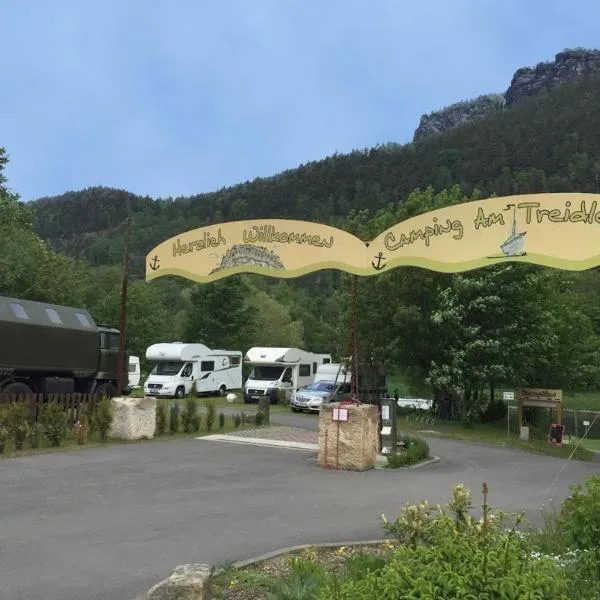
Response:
column 108, row 523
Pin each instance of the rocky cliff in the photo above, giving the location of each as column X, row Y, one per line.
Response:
column 456, row 114
column 569, row 65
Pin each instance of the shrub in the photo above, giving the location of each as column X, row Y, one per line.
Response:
column 174, row 418
column 161, row 418
column 580, row 522
column 4, row 437
column 221, row 420
column 211, row 414
column 189, row 414
column 415, row 450
column 455, row 556
column 103, row 417
column 53, row 420
column 35, row 435
column 237, row 420
column 16, row 417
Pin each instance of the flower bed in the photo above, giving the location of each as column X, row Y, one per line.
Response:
column 442, row 552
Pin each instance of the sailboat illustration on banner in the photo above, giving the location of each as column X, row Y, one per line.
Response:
column 515, row 242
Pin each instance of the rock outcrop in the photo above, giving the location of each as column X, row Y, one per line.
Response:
column 527, row 82
column 457, row 114
column 133, row 418
column 186, row 582
column 568, row 65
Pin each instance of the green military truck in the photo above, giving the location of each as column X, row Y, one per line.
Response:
column 51, row 349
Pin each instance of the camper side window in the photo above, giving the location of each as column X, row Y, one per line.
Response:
column 304, row 371
column 234, row 361
column 314, row 368
column 207, row 365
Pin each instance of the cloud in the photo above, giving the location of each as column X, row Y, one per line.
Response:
column 171, row 99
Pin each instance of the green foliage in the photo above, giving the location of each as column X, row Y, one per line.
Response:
column 237, row 420
column 211, row 414
column 53, row 420
column 189, row 416
column 453, row 555
column 16, row 420
column 102, row 417
column 174, row 418
column 302, row 583
column 35, row 435
column 221, row 420
column 4, row 437
column 580, row 520
column 415, row 450
column 161, row 418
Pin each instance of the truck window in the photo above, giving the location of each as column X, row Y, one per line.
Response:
column 83, row 319
column 187, row 370
column 19, row 311
column 304, row 371
column 207, row 365
column 109, row 341
column 54, row 316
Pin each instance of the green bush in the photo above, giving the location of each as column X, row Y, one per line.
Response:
column 189, row 415
column 161, row 418
column 579, row 521
column 174, row 418
column 103, row 417
column 53, row 420
column 237, row 420
column 16, row 420
column 35, row 435
column 211, row 414
column 452, row 555
column 4, row 437
column 415, row 450
column 221, row 420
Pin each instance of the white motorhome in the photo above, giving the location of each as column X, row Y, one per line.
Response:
column 335, row 372
column 179, row 366
column 134, row 374
column 275, row 369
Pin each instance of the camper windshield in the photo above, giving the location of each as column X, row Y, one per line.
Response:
column 167, row 368
column 266, row 373
column 320, row 386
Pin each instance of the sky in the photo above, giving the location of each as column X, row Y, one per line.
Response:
column 172, row 98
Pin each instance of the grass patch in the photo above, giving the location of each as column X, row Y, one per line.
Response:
column 411, row 452
column 491, row 433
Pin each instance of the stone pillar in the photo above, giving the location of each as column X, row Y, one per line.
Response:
column 348, row 436
column 263, row 415
column 133, row 418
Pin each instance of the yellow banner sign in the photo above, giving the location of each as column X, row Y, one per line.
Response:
column 555, row 230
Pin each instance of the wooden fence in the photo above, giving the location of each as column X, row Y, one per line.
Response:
column 75, row 405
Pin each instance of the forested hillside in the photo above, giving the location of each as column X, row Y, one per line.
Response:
column 461, row 334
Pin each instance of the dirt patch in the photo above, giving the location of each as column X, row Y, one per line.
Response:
column 253, row 582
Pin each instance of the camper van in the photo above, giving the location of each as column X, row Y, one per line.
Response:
column 336, row 372
column 134, row 374
column 275, row 369
column 179, row 366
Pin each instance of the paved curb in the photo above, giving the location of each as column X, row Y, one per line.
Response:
column 425, row 463
column 259, row 442
column 256, row 559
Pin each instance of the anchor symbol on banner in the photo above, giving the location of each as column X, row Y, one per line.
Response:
column 155, row 263
column 379, row 258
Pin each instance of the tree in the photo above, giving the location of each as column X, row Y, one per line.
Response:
column 219, row 314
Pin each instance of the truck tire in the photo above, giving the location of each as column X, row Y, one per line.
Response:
column 180, row 393
column 222, row 390
column 106, row 389
column 18, row 388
